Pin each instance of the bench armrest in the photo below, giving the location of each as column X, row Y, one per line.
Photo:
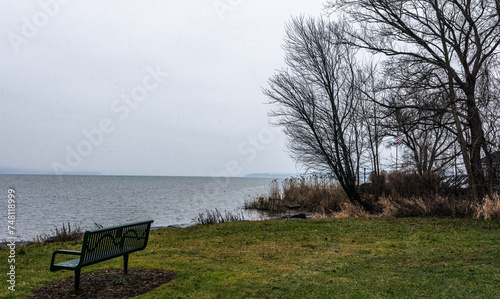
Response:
column 70, row 252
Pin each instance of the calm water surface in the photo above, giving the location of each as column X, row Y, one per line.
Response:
column 46, row 202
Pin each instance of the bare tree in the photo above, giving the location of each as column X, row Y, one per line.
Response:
column 454, row 38
column 316, row 101
column 488, row 105
column 370, row 119
column 414, row 105
column 429, row 142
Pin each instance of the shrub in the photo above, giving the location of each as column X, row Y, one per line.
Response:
column 412, row 184
column 377, row 184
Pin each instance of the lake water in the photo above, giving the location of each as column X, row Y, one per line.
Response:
column 45, row 202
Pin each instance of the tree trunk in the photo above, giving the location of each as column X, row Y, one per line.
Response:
column 477, row 142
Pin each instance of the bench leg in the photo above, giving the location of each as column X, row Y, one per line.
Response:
column 77, row 280
column 125, row 263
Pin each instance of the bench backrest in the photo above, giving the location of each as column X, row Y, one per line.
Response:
column 106, row 243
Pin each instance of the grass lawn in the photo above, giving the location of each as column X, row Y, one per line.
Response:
column 321, row 258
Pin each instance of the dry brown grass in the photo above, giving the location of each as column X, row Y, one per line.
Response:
column 265, row 203
column 350, row 210
column 440, row 206
column 212, row 217
column 407, row 195
column 315, row 194
column 61, row 235
column 489, row 208
column 270, row 203
column 426, row 206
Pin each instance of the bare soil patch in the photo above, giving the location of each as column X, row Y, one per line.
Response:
column 107, row 284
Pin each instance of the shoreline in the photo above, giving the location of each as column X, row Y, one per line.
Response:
column 21, row 242
column 282, row 216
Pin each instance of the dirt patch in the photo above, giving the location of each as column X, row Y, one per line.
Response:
column 107, row 284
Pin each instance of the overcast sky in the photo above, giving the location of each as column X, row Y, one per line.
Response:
column 142, row 87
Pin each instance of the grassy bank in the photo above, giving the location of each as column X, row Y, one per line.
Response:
column 319, row 258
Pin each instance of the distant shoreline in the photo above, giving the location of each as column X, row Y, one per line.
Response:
column 248, row 176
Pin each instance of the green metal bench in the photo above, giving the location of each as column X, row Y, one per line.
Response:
column 104, row 244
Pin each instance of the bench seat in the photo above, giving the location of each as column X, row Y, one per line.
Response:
column 69, row 265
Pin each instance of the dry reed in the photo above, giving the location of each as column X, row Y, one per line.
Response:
column 212, row 217
column 315, row 194
column 350, row 210
column 407, row 195
column 489, row 208
column 61, row 235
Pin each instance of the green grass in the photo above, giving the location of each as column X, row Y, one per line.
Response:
column 323, row 258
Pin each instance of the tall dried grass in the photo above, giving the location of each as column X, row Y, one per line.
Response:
column 315, row 194
column 406, row 195
column 270, row 203
column 489, row 208
column 265, row 203
column 212, row 217
column 61, row 234
column 439, row 206
column 350, row 210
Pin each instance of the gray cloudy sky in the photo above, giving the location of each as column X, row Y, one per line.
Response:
column 142, row 87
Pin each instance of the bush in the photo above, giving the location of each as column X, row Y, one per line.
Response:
column 377, row 184
column 412, row 184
